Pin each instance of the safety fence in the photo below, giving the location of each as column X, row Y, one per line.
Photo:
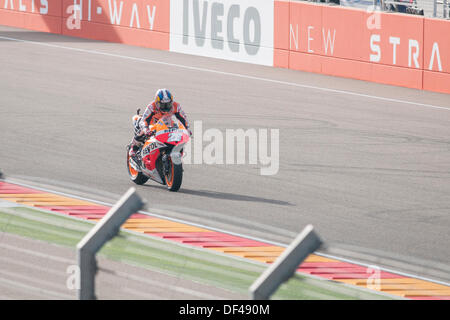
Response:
column 427, row 8
column 405, row 50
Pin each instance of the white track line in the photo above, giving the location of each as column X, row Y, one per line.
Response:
column 230, row 74
column 229, row 232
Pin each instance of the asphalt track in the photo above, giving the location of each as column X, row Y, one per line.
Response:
column 368, row 172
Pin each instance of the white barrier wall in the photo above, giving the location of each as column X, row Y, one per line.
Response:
column 238, row 30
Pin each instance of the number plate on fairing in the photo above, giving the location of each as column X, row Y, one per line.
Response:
column 175, row 137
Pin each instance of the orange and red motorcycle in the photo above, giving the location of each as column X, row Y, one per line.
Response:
column 160, row 158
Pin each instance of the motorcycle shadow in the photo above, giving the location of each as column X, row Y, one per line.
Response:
column 224, row 195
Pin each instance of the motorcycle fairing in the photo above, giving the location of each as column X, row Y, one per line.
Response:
column 153, row 174
column 168, row 131
column 150, row 153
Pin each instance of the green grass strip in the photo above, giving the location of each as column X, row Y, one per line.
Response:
column 200, row 265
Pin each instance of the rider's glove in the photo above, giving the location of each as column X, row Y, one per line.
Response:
column 146, row 131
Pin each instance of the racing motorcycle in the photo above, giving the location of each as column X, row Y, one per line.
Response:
column 160, row 158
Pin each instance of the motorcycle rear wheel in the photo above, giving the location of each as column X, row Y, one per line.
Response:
column 135, row 176
column 174, row 177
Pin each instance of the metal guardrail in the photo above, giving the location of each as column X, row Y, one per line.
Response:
column 106, row 229
column 402, row 7
column 445, row 8
column 428, row 8
column 285, row 265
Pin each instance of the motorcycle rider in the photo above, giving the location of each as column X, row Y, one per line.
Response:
column 162, row 105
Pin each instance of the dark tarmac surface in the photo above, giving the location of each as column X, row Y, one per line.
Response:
column 367, row 172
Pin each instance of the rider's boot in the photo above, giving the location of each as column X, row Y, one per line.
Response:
column 135, row 144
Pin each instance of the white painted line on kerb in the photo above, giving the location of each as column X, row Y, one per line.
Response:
column 305, row 86
column 405, row 274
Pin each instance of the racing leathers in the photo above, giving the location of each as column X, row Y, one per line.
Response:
column 151, row 115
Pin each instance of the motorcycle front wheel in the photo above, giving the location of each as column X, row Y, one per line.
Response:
column 174, row 176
